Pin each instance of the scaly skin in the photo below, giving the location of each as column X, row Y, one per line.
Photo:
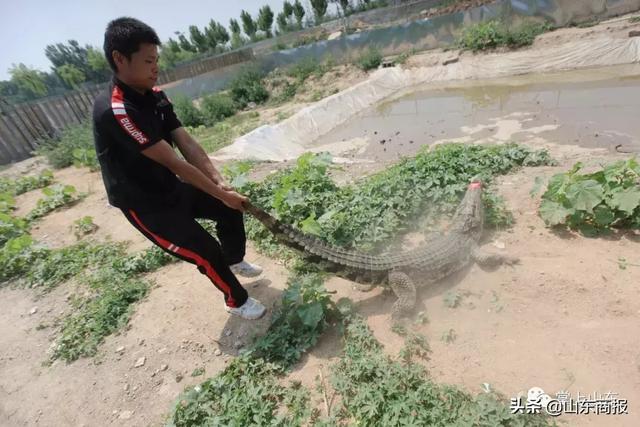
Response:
column 440, row 255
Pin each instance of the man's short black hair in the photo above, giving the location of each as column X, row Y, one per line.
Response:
column 125, row 35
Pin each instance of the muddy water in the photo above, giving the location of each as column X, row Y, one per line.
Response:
column 589, row 108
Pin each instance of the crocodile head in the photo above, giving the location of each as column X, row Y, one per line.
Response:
column 469, row 217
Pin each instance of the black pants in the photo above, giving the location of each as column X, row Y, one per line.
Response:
column 176, row 231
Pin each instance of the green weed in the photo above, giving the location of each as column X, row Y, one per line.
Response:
column 56, row 197
column 377, row 390
column 74, row 147
column 369, row 60
column 248, row 87
column 223, row 133
column 83, row 226
column 492, row 34
column 25, row 183
column 187, row 112
column 217, row 107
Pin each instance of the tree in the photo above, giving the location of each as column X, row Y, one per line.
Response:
column 298, row 11
column 9, row 92
column 185, row 44
column 71, row 53
column 71, row 75
column 345, row 5
column 364, row 4
column 84, row 58
column 222, row 34
column 210, row 34
column 234, row 26
column 283, row 24
column 172, row 45
column 170, row 57
column 319, row 9
column 265, row 20
column 28, row 80
column 198, row 39
column 97, row 60
column 236, row 35
column 287, row 9
column 248, row 25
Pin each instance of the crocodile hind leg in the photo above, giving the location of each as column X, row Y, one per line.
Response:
column 405, row 290
column 492, row 259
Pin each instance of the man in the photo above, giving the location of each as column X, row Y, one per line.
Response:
column 135, row 130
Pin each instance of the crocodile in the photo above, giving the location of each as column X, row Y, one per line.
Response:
column 439, row 256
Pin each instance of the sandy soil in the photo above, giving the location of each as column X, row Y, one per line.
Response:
column 564, row 319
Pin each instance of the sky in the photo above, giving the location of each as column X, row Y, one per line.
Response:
column 28, row 26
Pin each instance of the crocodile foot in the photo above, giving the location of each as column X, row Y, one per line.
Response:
column 405, row 290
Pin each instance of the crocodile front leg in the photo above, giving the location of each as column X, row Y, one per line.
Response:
column 491, row 259
column 405, row 290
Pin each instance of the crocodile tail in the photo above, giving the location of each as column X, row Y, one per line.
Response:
column 316, row 247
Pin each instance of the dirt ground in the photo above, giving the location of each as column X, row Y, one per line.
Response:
column 566, row 318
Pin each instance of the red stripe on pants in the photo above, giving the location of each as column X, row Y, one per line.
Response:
column 199, row 261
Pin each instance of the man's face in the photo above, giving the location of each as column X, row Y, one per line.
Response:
column 142, row 70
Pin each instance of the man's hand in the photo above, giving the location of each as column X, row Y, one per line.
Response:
column 234, row 200
column 218, row 179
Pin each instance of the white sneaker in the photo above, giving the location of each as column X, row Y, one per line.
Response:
column 252, row 309
column 246, row 269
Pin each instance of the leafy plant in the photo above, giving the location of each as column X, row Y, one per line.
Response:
column 96, row 317
column 247, row 87
column 387, row 203
column 370, row 59
column 307, row 67
column 187, row 112
column 452, row 299
column 25, row 183
column 10, row 226
column 449, row 336
column 224, row 132
column 83, row 226
column 60, row 151
column 216, row 108
column 492, row 34
column 297, row 324
column 197, row 372
column 377, row 390
column 595, row 202
column 248, row 391
column 56, row 196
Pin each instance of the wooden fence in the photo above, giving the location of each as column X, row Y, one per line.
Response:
column 24, row 126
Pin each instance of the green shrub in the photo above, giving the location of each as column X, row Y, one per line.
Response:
column 369, row 60
column 491, row 34
column 25, row 183
column 188, row 114
column 247, row 87
column 525, row 34
column 217, row 107
column 56, row 197
column 75, row 146
column 286, row 93
column 307, row 67
column 595, row 202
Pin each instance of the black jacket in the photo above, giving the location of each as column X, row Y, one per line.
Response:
column 126, row 122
